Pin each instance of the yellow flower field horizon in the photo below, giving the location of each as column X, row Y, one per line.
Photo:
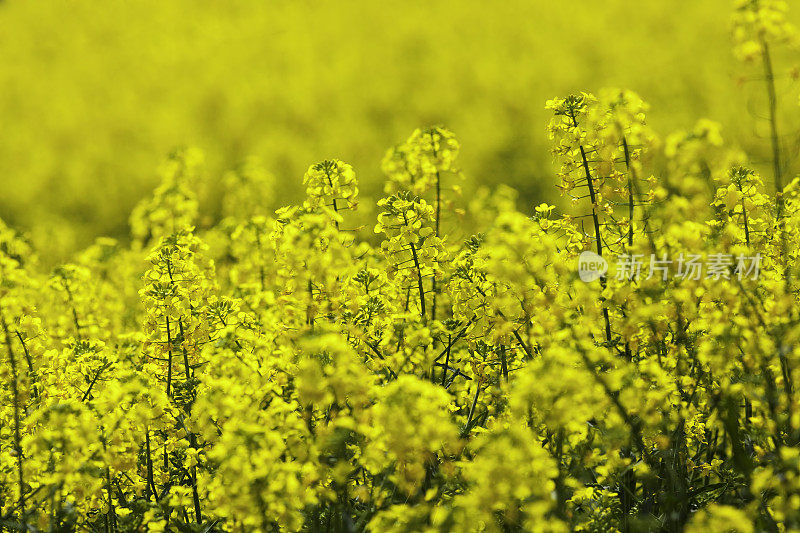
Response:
column 96, row 95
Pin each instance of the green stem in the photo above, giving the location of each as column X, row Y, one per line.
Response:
column 438, row 217
column 29, row 361
column 630, row 191
column 151, row 485
column 772, row 101
column 17, row 433
column 596, row 223
column 169, row 360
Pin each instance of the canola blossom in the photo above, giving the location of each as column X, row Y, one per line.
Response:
column 299, row 370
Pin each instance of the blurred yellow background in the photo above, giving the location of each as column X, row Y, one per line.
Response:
column 95, row 94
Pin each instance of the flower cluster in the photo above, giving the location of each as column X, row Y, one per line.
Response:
column 287, row 371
